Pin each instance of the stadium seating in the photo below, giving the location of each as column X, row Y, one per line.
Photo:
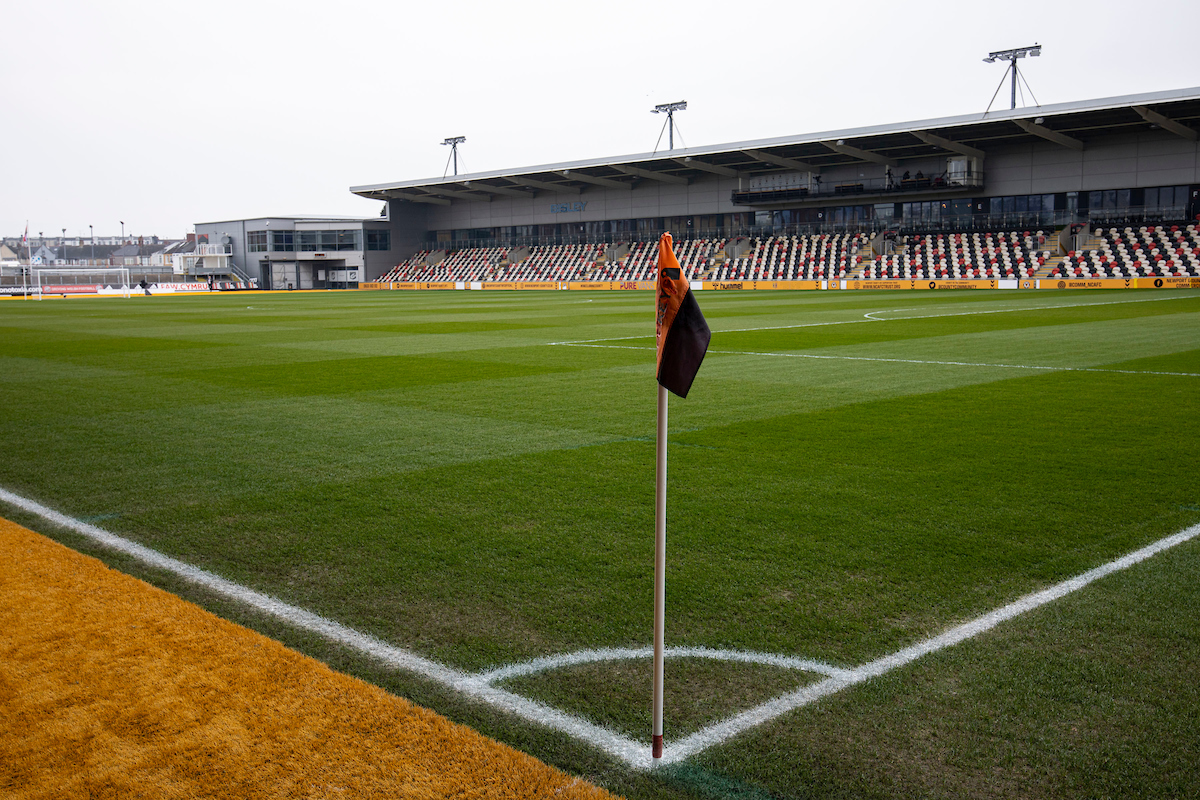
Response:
column 807, row 257
column 962, row 256
column 1156, row 250
column 1148, row 251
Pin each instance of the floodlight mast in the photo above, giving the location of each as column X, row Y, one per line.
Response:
column 1011, row 56
column 669, row 109
column 454, row 142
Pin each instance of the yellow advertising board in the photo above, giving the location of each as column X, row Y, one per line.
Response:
column 610, row 285
column 519, row 285
column 1167, row 283
column 424, row 285
column 374, row 285
column 915, row 283
column 758, row 285
column 1119, row 283
column 942, row 284
column 1086, row 283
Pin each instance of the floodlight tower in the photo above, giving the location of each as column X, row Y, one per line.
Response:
column 1011, row 56
column 454, row 142
column 669, row 109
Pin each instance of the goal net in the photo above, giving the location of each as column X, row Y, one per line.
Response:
column 80, row 280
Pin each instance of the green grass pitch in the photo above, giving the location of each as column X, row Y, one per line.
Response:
column 853, row 472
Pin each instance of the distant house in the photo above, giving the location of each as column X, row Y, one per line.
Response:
column 8, row 254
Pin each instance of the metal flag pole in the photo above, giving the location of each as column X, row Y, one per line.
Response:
column 660, row 567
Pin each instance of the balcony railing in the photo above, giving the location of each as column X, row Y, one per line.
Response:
column 874, row 187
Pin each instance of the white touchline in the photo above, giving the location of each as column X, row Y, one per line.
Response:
column 868, row 318
column 950, row 363
column 636, row 754
column 1038, row 367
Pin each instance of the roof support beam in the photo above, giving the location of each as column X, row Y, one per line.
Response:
column 475, row 186
column 1166, row 123
column 704, row 166
column 780, row 161
column 543, row 186
column 840, row 146
column 575, row 175
column 654, row 176
column 1037, row 129
column 444, row 192
column 948, row 144
column 419, row 198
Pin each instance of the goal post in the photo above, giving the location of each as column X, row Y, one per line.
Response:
column 100, row 278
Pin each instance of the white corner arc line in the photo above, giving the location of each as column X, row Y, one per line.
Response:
column 635, row 754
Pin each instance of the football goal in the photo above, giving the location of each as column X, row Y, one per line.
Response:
column 80, row 280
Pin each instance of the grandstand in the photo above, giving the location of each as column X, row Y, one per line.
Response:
column 1107, row 187
column 1006, row 195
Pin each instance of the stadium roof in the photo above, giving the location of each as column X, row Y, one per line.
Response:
column 1070, row 125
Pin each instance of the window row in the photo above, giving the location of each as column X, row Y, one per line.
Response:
column 311, row 241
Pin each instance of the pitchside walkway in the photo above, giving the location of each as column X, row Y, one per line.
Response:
column 111, row 687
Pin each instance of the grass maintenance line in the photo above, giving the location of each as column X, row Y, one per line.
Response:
column 635, row 754
column 112, row 687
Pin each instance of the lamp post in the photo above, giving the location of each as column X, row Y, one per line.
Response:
column 669, row 109
column 92, row 236
column 454, row 142
column 62, row 251
column 122, row 231
column 1011, row 56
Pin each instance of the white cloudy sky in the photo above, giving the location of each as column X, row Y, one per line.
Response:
column 164, row 113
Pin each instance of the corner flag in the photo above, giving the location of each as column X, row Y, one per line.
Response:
column 683, row 335
column 683, row 338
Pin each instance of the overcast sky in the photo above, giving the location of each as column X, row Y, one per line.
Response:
column 164, row 114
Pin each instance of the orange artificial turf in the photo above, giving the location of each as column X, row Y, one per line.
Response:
column 110, row 687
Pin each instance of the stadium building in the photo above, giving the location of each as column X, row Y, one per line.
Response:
column 1076, row 189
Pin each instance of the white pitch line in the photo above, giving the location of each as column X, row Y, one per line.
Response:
column 547, row 663
column 952, row 363
column 1042, row 368
column 868, row 318
column 635, row 754
column 721, row 731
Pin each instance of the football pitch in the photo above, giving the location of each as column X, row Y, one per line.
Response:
column 468, row 479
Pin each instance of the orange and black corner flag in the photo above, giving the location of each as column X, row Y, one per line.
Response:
column 683, row 335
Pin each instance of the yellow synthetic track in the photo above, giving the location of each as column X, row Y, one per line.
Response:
column 110, row 687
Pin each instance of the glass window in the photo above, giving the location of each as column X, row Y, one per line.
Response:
column 256, row 242
column 282, row 241
column 307, row 241
column 1123, row 198
column 379, row 240
column 1021, row 203
column 1110, row 198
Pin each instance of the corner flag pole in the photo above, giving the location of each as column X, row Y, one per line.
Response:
column 682, row 336
column 660, row 566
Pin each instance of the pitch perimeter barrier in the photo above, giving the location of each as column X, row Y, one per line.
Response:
column 111, row 289
column 1119, row 283
column 906, row 284
column 609, row 285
